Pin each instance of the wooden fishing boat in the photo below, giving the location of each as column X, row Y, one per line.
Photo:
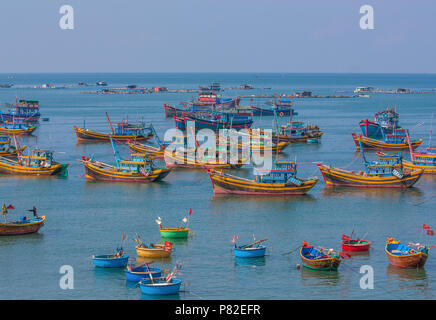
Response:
column 349, row 244
column 425, row 160
column 206, row 160
column 153, row 250
column 22, row 110
column 40, row 162
column 22, row 226
column 386, row 173
column 8, row 150
column 111, row 260
column 281, row 180
column 402, row 256
column 160, row 286
column 122, row 132
column 151, row 151
column 386, row 121
column 138, row 169
column 16, row 128
column 318, row 259
column 396, row 141
column 136, row 274
column 214, row 121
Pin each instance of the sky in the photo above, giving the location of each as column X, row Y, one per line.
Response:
column 218, row 36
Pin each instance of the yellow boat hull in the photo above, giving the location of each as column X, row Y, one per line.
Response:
column 411, row 166
column 152, row 253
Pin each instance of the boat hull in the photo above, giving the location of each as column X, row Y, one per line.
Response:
column 414, row 260
column 105, row 261
column 175, row 160
column 94, row 172
column 6, row 131
column 428, row 169
column 9, row 229
column 250, row 252
column 353, row 245
column 370, row 143
column 338, row 177
column 158, row 252
column 142, row 272
column 153, row 152
column 88, row 135
column 297, row 139
column 225, row 183
column 330, row 263
column 14, row 168
column 174, row 233
column 160, row 288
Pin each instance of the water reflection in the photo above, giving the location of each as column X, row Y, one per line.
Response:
column 411, row 280
column 238, row 198
column 250, row 262
column 406, row 273
column 160, row 297
column 314, row 278
column 377, row 193
column 21, row 239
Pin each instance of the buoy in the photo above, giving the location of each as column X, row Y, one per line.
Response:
column 298, row 266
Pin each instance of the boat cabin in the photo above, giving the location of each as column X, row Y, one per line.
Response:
column 387, row 165
column 38, row 158
column 137, row 162
column 283, row 172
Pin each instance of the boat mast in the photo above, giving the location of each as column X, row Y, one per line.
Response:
column 110, row 123
column 116, row 153
column 431, row 130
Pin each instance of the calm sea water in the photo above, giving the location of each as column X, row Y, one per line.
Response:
column 86, row 218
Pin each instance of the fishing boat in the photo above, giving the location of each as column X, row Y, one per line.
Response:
column 23, row 110
column 212, row 87
column 183, row 158
column 386, row 173
column 137, row 273
column 118, row 260
column 39, row 162
column 253, row 250
column 163, row 285
column 283, row 107
column 122, row 132
column 402, row 256
column 281, row 180
column 21, row 226
column 349, row 244
column 160, row 286
column 181, row 232
column 8, row 150
column 152, row 152
column 297, row 132
column 138, row 169
column 396, row 141
column 213, row 121
column 153, row 250
column 17, row 127
column 319, row 259
column 425, row 160
column 384, row 121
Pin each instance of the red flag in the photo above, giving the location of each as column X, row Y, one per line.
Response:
column 168, row 246
column 10, row 207
column 123, row 236
column 426, row 226
column 345, row 238
column 190, row 211
column 430, row 232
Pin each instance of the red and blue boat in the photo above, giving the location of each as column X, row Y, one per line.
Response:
column 25, row 110
column 384, row 121
column 396, row 141
column 214, row 121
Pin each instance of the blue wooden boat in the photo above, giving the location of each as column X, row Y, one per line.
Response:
column 384, row 122
column 136, row 274
column 24, row 110
column 402, row 256
column 111, row 260
column 160, row 286
column 214, row 121
column 318, row 259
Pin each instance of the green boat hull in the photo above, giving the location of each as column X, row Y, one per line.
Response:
column 174, row 234
column 321, row 269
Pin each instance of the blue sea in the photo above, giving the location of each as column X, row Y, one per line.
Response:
column 86, row 218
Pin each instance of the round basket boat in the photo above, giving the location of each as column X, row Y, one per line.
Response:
column 155, row 251
column 136, row 274
column 110, row 261
column 180, row 233
column 160, row 286
column 250, row 252
column 356, row 245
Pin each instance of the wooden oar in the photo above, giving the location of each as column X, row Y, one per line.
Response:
column 363, row 238
column 250, row 245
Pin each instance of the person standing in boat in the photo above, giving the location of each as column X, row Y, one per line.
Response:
column 34, row 212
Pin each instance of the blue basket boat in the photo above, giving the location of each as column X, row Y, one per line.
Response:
column 160, row 286
column 136, row 274
column 110, row 261
column 250, row 252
